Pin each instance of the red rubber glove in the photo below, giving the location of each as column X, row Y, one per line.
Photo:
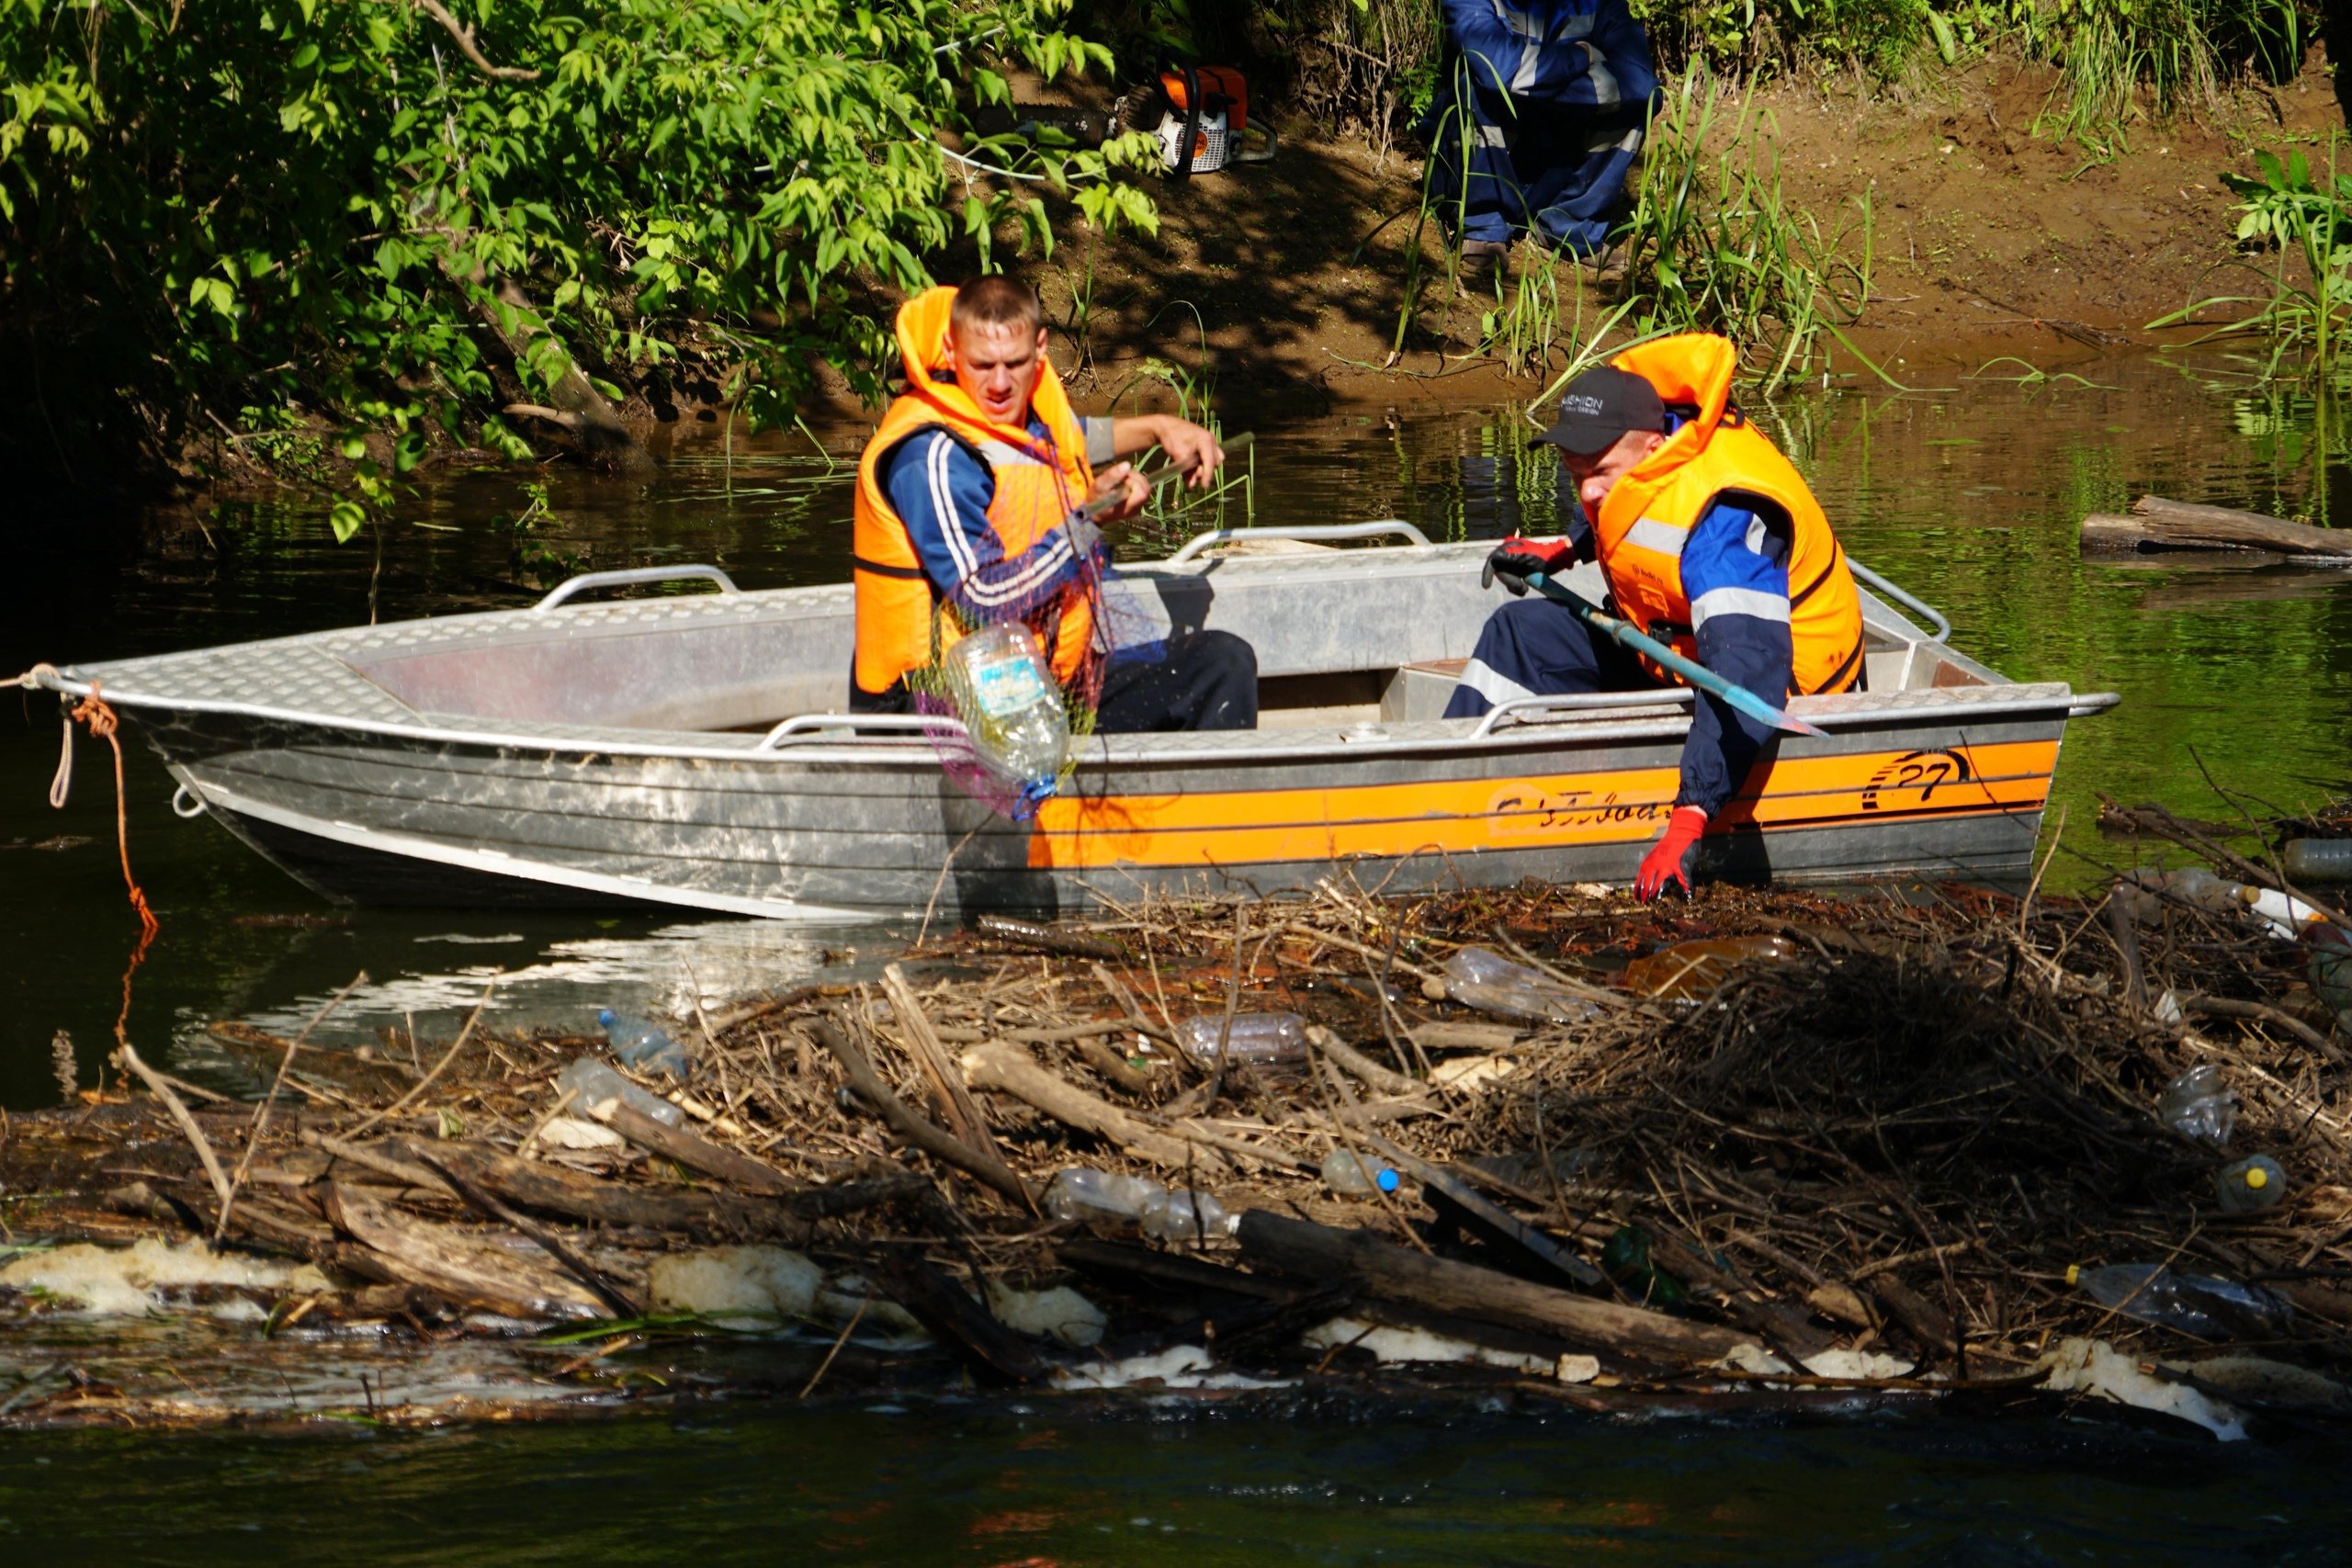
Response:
column 1515, row 558
column 1663, row 864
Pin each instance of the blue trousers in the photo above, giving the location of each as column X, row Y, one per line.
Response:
column 1533, row 648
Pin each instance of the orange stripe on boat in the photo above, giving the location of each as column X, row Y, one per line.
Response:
column 1238, row 826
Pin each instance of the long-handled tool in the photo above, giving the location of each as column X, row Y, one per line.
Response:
column 1167, row 473
column 1698, row 674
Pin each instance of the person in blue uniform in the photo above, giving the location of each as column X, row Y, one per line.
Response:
column 1554, row 94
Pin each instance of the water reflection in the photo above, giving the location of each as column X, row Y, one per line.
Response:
column 1969, row 495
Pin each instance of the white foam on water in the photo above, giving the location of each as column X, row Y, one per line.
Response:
column 130, row 1281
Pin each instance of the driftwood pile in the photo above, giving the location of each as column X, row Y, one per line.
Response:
column 1864, row 1161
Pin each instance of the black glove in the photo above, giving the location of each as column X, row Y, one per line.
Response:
column 1515, row 558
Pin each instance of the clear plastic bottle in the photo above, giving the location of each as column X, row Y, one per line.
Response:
column 2286, row 916
column 1187, row 1219
column 2199, row 1105
column 1352, row 1175
column 1255, row 1036
column 2194, row 1304
column 1011, row 708
column 1482, row 978
column 644, row 1044
column 594, row 1083
column 1698, row 968
column 2318, row 860
column 1080, row 1193
column 2246, row 1185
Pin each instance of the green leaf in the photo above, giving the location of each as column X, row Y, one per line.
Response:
column 346, row 519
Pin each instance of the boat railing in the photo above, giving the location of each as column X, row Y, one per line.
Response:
column 1880, row 585
column 1310, row 532
column 635, row 574
column 817, row 726
column 1573, row 702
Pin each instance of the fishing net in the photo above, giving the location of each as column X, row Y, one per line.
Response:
column 1082, row 616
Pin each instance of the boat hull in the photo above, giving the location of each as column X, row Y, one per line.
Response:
column 378, row 819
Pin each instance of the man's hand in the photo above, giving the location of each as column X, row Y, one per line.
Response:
column 1119, row 479
column 1187, row 444
column 1193, row 448
column 1663, row 865
column 1515, row 558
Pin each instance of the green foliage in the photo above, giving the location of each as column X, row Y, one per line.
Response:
column 1712, row 245
column 2307, row 219
column 398, row 216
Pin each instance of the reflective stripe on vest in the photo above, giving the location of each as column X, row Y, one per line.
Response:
column 1035, row 484
column 1645, row 521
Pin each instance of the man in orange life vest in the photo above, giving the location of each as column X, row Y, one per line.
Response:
column 966, row 514
column 1709, row 540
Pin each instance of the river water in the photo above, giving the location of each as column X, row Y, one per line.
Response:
column 1968, row 495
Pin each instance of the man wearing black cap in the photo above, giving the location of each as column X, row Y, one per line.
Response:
column 1700, row 527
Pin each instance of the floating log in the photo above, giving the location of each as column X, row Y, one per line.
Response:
column 1306, row 1250
column 451, row 1263
column 2155, row 523
column 696, row 1153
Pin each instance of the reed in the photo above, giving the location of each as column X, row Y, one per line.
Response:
column 2305, row 219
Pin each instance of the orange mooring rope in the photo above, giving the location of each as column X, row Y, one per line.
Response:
column 94, row 711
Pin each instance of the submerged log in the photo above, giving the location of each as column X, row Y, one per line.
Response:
column 1304, row 1249
column 2155, row 523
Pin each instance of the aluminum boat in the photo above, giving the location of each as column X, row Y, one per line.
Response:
column 689, row 749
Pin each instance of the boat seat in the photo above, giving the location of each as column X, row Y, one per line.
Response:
column 1420, row 691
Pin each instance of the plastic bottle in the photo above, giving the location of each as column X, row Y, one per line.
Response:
column 2286, row 916
column 2194, row 1304
column 641, row 1044
column 1011, row 708
column 1350, row 1175
column 592, row 1083
column 1482, row 978
column 2199, row 1105
column 2318, row 860
column 2254, row 1182
column 1697, row 968
column 1187, row 1218
column 1080, row 1193
column 1255, row 1036
column 2331, row 969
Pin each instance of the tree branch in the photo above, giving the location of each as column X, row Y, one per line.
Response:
column 471, row 49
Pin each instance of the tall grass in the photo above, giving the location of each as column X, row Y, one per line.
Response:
column 2306, row 220
column 1713, row 244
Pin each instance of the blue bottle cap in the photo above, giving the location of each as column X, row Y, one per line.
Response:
column 606, row 1017
column 1385, row 1179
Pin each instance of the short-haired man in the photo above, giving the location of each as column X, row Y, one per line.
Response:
column 1709, row 539
column 967, row 514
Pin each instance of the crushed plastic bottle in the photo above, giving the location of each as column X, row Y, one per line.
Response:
column 641, row 1044
column 594, row 1083
column 2194, row 1304
column 1690, row 969
column 1482, row 979
column 1187, row 1219
column 1078, row 1193
column 2246, row 1185
column 1255, row 1036
column 2331, row 968
column 1350, row 1175
column 2199, row 1105
column 1011, row 708
column 2318, row 860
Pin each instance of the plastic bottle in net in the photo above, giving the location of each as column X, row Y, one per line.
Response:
column 1012, row 709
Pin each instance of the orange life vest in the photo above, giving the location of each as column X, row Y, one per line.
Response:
column 1650, row 512
column 1036, row 485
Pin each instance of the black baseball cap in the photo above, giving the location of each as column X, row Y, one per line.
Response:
column 1601, row 405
